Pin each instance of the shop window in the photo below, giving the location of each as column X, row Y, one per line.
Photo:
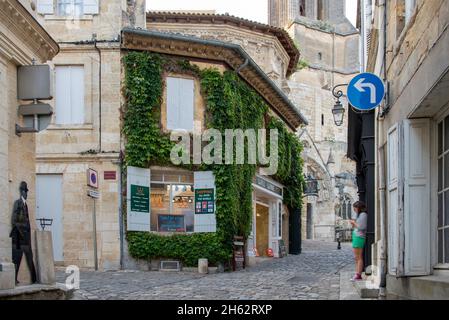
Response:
column 69, row 97
column 443, row 191
column 180, row 104
column 172, row 203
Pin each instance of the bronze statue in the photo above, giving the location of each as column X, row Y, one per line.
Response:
column 21, row 233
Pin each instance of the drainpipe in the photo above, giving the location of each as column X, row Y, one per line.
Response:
column 244, row 65
column 382, row 184
column 99, row 91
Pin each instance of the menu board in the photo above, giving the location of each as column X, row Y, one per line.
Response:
column 170, row 223
column 204, row 201
column 140, row 199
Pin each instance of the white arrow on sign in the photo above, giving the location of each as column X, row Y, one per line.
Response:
column 360, row 85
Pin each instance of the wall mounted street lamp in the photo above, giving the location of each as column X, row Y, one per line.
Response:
column 311, row 187
column 338, row 111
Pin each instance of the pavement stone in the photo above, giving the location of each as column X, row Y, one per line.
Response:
column 312, row 275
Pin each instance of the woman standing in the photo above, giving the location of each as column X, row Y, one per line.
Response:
column 358, row 237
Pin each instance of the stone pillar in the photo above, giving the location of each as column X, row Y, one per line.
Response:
column 203, row 266
column 7, row 276
column 45, row 261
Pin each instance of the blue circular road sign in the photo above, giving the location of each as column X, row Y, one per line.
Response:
column 366, row 91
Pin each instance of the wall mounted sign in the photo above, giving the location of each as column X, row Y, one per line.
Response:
column 204, row 201
column 170, row 223
column 261, row 182
column 140, row 199
column 92, row 178
column 110, row 175
column 366, row 91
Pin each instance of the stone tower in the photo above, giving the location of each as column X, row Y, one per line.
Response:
column 282, row 13
column 329, row 46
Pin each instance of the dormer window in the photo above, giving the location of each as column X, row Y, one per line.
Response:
column 68, row 8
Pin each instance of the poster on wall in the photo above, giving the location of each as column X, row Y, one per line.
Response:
column 170, row 223
column 204, row 201
column 138, row 199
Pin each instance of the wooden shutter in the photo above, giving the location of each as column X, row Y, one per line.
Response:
column 138, row 219
column 417, row 197
column 180, row 104
column 205, row 222
column 45, row 6
column 77, row 94
column 62, row 97
column 393, row 199
column 91, row 6
column 409, row 198
column 69, row 95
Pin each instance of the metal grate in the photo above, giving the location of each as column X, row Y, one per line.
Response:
column 170, row 266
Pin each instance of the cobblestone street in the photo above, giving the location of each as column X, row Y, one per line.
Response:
column 313, row 275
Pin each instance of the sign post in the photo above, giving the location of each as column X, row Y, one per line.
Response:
column 92, row 182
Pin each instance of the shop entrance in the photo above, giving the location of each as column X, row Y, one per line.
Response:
column 262, row 229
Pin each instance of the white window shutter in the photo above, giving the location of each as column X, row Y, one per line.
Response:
column 77, row 94
column 409, row 198
column 62, row 97
column 394, row 199
column 205, row 222
column 417, row 197
column 180, row 104
column 138, row 221
column 91, row 6
column 186, row 98
column 45, row 6
column 172, row 103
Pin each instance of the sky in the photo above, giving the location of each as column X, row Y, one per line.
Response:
column 250, row 9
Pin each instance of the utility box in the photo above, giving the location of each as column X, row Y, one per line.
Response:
column 34, row 82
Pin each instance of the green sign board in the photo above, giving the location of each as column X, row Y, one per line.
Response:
column 140, row 199
column 204, row 201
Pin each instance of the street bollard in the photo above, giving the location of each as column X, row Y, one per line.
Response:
column 203, row 266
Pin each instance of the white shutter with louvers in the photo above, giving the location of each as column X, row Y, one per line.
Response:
column 91, row 6
column 393, row 198
column 138, row 203
column 205, row 222
column 417, row 197
column 62, row 98
column 77, row 94
column 45, row 6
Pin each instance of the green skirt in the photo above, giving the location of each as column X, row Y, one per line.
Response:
column 357, row 241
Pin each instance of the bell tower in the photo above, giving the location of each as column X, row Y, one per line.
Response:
column 281, row 13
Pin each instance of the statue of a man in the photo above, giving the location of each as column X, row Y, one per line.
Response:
column 21, row 233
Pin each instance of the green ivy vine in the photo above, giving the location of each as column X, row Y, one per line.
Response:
column 230, row 104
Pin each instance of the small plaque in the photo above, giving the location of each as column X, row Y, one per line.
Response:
column 110, row 175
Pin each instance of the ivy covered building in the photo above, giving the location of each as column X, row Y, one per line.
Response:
column 119, row 91
column 177, row 82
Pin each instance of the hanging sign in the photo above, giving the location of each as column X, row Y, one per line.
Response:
column 204, row 201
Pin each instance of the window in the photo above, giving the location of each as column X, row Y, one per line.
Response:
column 180, row 104
column 302, row 8
column 409, row 9
column 70, row 8
column 69, row 97
column 320, row 10
column 172, row 202
column 443, row 191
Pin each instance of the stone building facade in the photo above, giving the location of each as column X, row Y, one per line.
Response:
column 85, row 132
column 85, row 129
column 409, row 42
column 22, row 39
column 329, row 46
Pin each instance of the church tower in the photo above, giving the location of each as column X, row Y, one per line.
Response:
column 329, row 46
column 281, row 13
